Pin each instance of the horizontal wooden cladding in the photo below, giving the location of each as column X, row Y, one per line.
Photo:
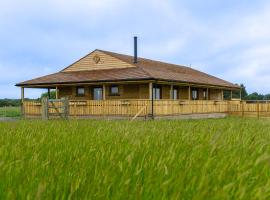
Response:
column 106, row 62
column 131, row 107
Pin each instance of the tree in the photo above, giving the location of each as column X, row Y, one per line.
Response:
column 243, row 91
column 52, row 94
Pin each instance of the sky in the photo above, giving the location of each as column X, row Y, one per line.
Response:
column 225, row 38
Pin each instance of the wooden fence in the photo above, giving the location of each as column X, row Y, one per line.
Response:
column 131, row 108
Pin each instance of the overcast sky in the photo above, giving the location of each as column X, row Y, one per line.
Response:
column 226, row 38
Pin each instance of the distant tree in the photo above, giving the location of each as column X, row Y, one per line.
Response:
column 52, row 94
column 10, row 102
column 255, row 96
column 267, row 97
column 243, row 91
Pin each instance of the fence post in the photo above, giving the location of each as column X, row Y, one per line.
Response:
column 66, row 107
column 242, row 108
column 258, row 110
column 45, row 108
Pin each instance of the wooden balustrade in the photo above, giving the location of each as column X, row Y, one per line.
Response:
column 130, row 108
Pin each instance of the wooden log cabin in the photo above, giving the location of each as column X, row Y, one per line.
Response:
column 102, row 82
column 104, row 75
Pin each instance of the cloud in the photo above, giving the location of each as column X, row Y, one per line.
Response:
column 225, row 38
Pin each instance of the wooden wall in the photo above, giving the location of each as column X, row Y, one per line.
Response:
column 126, row 91
column 105, row 62
column 136, row 91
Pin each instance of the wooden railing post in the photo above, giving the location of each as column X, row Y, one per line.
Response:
column 66, row 107
column 44, row 102
column 22, row 102
column 258, row 110
column 242, row 108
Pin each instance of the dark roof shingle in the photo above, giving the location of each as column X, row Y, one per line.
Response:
column 145, row 69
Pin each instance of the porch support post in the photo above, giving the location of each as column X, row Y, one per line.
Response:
column 49, row 93
column 22, row 94
column 151, row 98
column 231, row 95
column 207, row 93
column 104, row 92
column 150, row 90
column 56, row 93
column 222, row 94
column 241, row 94
column 189, row 93
column 171, row 92
column 22, row 101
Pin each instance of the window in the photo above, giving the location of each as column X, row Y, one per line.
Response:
column 80, row 91
column 175, row 94
column 114, row 90
column 97, row 93
column 194, row 94
column 204, row 94
column 156, row 93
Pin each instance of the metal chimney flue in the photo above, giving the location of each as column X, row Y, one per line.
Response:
column 135, row 50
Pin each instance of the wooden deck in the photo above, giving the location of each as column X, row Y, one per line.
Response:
column 144, row 108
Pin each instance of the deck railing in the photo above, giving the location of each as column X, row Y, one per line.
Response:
column 130, row 108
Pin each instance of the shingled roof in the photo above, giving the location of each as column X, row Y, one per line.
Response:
column 144, row 69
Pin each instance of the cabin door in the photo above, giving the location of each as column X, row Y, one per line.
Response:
column 97, row 93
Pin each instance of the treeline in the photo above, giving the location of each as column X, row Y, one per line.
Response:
column 10, row 102
column 254, row 95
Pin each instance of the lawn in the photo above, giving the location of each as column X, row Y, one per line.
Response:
column 10, row 111
column 87, row 159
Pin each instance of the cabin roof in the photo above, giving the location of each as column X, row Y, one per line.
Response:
column 144, row 69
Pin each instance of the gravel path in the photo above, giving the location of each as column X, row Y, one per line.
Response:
column 6, row 119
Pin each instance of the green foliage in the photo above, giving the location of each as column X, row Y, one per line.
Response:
column 10, row 102
column 243, row 91
column 52, row 94
column 10, row 111
column 254, row 95
column 87, row 159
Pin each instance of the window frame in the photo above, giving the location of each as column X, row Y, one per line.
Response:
column 155, row 93
column 114, row 93
column 77, row 91
column 197, row 94
column 177, row 94
column 93, row 92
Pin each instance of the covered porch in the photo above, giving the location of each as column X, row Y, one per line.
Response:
column 141, row 90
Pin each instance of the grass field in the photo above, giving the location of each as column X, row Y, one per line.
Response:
column 10, row 111
column 188, row 159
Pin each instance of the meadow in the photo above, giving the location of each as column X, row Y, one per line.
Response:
column 10, row 111
column 89, row 159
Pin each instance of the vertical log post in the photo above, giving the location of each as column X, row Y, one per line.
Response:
column 189, row 93
column 49, row 93
column 258, row 110
column 242, row 108
column 240, row 94
column 172, row 98
column 45, row 108
column 171, row 92
column 104, row 92
column 207, row 93
column 231, row 95
column 56, row 93
column 22, row 101
column 66, row 107
column 151, row 98
column 222, row 94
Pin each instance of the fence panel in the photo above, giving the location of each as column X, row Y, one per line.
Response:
column 130, row 108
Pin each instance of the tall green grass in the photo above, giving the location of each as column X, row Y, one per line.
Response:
column 9, row 111
column 189, row 159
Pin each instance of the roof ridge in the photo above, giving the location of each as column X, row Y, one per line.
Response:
column 110, row 54
column 152, row 60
